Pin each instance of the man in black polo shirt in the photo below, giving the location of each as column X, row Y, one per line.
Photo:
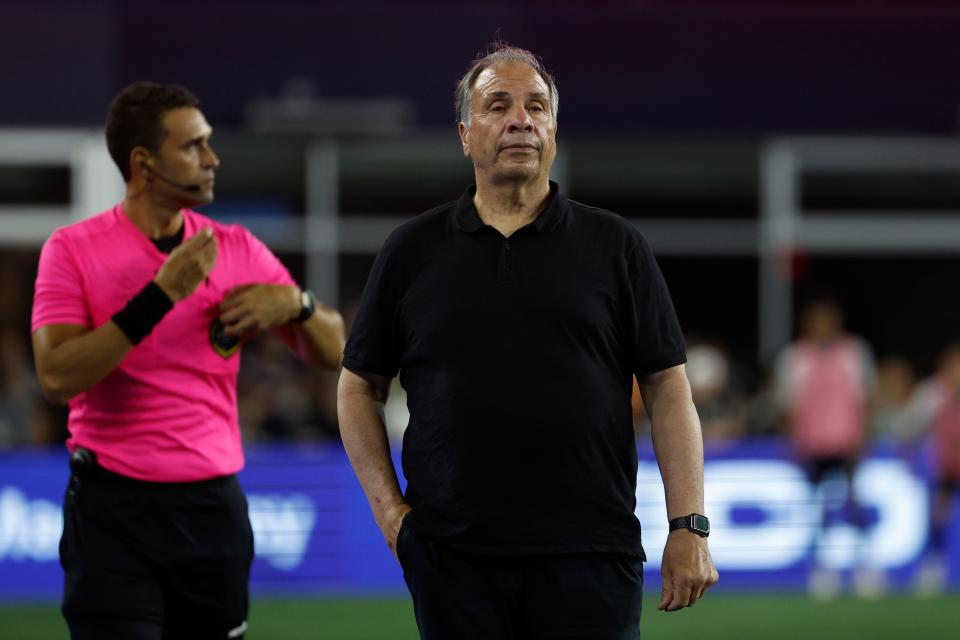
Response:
column 516, row 319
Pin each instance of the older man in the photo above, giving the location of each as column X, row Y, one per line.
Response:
column 516, row 319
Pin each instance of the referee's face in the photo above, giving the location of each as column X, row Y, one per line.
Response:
column 511, row 136
column 185, row 158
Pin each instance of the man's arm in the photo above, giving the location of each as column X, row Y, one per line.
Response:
column 71, row 358
column 687, row 568
column 318, row 340
column 360, row 400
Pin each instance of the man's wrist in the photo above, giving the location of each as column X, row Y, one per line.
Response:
column 694, row 523
column 142, row 313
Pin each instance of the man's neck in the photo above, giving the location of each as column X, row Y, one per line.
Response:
column 153, row 219
column 510, row 206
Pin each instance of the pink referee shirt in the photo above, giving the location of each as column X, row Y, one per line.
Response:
column 168, row 412
column 827, row 389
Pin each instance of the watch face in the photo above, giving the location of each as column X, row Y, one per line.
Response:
column 699, row 524
column 307, row 305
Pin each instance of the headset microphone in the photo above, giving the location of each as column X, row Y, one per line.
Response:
column 192, row 188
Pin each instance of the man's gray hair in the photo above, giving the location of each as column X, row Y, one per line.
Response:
column 500, row 53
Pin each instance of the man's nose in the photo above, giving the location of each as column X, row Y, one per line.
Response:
column 520, row 120
column 211, row 160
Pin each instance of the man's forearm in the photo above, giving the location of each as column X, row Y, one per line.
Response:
column 362, row 427
column 677, row 440
column 70, row 359
column 686, row 567
column 319, row 339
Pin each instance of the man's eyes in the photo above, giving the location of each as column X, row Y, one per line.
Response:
column 535, row 108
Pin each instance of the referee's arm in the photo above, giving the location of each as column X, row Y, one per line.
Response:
column 360, row 401
column 71, row 358
column 687, row 568
column 250, row 309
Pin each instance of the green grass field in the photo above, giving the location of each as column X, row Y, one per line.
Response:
column 719, row 617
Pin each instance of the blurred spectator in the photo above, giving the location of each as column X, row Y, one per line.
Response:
column 282, row 400
column 19, row 393
column 25, row 417
column 822, row 383
column 719, row 393
column 896, row 381
column 935, row 410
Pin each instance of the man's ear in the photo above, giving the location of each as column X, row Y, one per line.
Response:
column 464, row 138
column 139, row 161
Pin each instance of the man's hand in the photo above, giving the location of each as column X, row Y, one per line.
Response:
column 253, row 308
column 188, row 265
column 391, row 525
column 687, row 570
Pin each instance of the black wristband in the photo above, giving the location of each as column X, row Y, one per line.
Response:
column 143, row 312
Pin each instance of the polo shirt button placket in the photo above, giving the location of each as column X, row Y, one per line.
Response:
column 506, row 264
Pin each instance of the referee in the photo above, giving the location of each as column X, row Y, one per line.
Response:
column 138, row 317
column 516, row 319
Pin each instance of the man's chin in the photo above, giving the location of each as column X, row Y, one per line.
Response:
column 518, row 177
column 518, row 171
column 201, row 198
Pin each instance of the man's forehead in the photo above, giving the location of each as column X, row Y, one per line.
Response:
column 510, row 75
column 186, row 122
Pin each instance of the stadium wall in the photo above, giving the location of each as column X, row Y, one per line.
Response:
column 315, row 535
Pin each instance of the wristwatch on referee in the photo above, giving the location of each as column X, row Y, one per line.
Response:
column 308, row 305
column 694, row 522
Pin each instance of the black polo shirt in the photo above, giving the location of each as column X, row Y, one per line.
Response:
column 517, row 354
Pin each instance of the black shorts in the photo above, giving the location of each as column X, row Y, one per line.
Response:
column 947, row 486
column 820, row 468
column 154, row 561
column 466, row 596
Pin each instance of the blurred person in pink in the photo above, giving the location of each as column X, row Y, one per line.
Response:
column 935, row 411
column 138, row 318
column 823, row 382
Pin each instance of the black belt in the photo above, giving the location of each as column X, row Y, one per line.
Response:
column 84, row 466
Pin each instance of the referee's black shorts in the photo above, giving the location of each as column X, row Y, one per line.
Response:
column 154, row 561
column 464, row 596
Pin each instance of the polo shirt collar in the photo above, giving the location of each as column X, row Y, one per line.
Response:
column 467, row 219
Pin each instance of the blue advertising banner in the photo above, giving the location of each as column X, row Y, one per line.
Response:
column 315, row 534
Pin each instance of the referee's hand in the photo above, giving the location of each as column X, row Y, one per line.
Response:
column 188, row 265
column 687, row 570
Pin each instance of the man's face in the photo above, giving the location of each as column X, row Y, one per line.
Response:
column 185, row 157
column 511, row 136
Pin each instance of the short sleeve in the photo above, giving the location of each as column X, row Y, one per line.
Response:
column 374, row 343
column 265, row 267
column 657, row 341
column 58, row 292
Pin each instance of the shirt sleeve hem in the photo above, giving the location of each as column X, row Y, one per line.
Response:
column 665, row 361
column 359, row 366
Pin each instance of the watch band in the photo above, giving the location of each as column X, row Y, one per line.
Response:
column 308, row 305
column 695, row 522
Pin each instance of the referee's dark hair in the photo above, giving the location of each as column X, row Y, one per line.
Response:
column 135, row 118
column 500, row 53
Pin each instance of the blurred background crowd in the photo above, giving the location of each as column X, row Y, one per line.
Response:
column 283, row 400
